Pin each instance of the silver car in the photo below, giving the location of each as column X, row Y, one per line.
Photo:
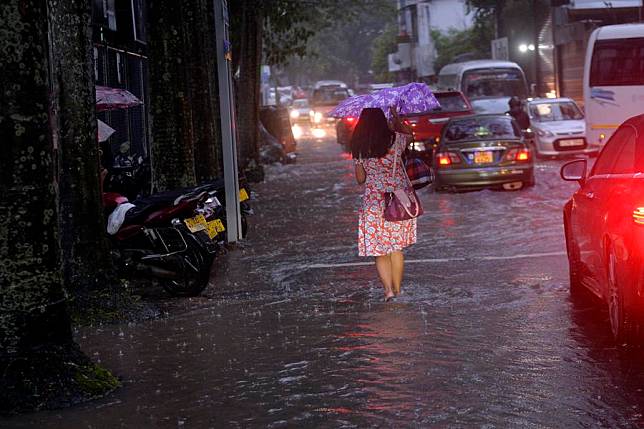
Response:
column 559, row 127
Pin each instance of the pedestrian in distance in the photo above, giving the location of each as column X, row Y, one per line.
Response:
column 376, row 144
column 517, row 112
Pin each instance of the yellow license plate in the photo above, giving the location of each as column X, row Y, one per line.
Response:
column 214, row 227
column 243, row 195
column 197, row 223
column 483, row 157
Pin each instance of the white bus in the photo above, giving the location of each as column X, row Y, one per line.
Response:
column 613, row 79
column 488, row 84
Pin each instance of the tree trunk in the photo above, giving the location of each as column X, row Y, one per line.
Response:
column 172, row 143
column 39, row 362
column 186, row 136
column 86, row 259
column 204, row 89
column 248, row 85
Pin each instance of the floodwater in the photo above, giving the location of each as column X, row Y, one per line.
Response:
column 288, row 335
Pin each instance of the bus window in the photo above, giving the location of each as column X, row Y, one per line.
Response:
column 494, row 83
column 618, row 62
column 447, row 81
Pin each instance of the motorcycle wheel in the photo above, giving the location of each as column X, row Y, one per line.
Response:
column 193, row 269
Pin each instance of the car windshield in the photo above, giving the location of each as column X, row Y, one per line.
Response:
column 494, row 84
column 329, row 96
column 483, row 128
column 560, row 111
column 451, row 103
column 300, row 103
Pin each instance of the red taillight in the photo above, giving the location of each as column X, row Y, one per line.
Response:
column 517, row 155
column 638, row 215
column 447, row 158
column 351, row 119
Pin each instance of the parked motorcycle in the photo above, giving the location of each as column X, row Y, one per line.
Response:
column 173, row 236
column 150, row 237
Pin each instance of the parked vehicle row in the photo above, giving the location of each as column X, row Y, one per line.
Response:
column 172, row 236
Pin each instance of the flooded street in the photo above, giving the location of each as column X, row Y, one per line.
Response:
column 293, row 332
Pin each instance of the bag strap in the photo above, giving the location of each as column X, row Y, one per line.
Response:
column 396, row 156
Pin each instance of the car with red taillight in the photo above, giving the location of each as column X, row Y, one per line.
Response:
column 604, row 228
column 483, row 151
column 344, row 130
column 427, row 126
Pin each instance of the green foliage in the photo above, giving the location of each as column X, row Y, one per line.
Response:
column 343, row 50
column 457, row 45
column 382, row 46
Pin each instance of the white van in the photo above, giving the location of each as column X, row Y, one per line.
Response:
column 613, row 79
column 488, row 84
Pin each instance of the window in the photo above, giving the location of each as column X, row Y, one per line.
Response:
column 612, row 153
column 625, row 162
column 493, row 83
column 484, row 128
column 618, row 62
column 451, row 103
column 557, row 111
column 138, row 20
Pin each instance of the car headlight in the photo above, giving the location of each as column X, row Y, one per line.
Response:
column 295, row 114
column 317, row 117
column 318, row 133
column 544, row 133
column 419, row 146
column 297, row 131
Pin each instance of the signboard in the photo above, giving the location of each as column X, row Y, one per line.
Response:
column 599, row 4
column 500, row 49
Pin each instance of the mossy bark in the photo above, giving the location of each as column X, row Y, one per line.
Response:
column 36, row 345
column 86, row 259
column 204, row 91
column 248, row 85
column 184, row 106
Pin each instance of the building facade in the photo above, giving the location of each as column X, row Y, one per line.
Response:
column 120, row 61
column 414, row 59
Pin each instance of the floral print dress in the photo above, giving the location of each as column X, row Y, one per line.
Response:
column 376, row 236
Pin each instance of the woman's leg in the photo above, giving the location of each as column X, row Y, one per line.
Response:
column 383, row 265
column 397, row 270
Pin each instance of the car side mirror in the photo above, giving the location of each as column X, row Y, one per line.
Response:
column 575, row 171
column 528, row 134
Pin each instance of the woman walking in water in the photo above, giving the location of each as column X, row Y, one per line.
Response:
column 375, row 145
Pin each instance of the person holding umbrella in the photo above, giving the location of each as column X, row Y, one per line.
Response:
column 376, row 144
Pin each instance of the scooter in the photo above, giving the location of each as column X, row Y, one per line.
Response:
column 150, row 236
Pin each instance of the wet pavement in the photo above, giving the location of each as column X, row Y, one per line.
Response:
column 292, row 332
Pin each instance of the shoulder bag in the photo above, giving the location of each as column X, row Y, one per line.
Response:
column 401, row 204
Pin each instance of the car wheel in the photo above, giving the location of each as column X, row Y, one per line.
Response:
column 574, row 267
column 622, row 324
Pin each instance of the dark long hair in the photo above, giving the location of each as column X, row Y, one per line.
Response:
column 372, row 137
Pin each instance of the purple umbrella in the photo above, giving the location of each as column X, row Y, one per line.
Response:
column 414, row 97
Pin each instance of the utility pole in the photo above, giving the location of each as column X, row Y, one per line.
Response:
column 228, row 123
column 535, row 36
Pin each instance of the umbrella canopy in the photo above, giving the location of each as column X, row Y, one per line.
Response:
column 414, row 97
column 114, row 98
column 104, row 131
